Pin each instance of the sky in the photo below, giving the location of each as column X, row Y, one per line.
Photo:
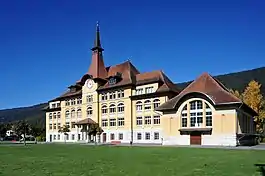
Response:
column 45, row 45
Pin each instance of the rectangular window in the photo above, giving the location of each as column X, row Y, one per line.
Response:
column 156, row 136
column 104, row 122
column 54, row 126
column 147, row 136
column 104, row 96
column 156, row 120
column 120, row 94
column 73, row 137
column 79, row 137
column 50, row 126
column 53, row 105
column 73, row 102
column 209, row 119
column 139, row 136
column 147, row 120
column 112, row 136
column 120, row 136
column 59, row 137
column 120, row 121
column 67, row 124
column 184, row 121
column 79, row 100
column 67, row 103
column 67, row 136
column 89, row 98
column 58, row 105
column 139, row 120
column 139, row 91
column 139, row 107
column 54, row 137
column 59, row 125
column 148, row 90
column 112, row 122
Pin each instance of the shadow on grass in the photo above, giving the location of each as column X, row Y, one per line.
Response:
column 261, row 168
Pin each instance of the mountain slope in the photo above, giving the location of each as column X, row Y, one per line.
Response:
column 236, row 81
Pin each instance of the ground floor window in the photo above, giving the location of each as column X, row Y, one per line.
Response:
column 54, row 137
column 139, row 136
column 67, row 137
column 112, row 136
column 121, row 136
column 209, row 119
column 73, row 137
column 147, row 136
column 59, row 136
column 79, row 136
column 156, row 135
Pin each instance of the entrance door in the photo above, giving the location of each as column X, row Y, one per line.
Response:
column 50, row 138
column 195, row 138
column 104, row 137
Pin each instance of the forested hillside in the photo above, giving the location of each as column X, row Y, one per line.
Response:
column 236, row 81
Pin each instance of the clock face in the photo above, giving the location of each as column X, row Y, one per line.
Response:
column 89, row 83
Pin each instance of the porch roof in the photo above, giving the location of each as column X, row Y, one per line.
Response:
column 86, row 121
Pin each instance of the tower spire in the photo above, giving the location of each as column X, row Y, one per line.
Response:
column 97, row 43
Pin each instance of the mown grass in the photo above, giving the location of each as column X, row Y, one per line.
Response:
column 80, row 160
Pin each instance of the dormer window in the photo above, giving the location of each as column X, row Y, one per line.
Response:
column 112, row 81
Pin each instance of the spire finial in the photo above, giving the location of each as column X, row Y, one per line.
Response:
column 97, row 43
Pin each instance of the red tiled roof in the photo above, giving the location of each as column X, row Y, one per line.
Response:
column 206, row 85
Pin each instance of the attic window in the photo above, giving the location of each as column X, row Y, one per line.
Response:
column 112, row 81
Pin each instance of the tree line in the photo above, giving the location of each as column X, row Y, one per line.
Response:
column 23, row 128
column 253, row 97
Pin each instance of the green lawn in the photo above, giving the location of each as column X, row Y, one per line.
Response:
column 78, row 160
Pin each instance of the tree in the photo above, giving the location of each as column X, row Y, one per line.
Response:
column 65, row 130
column 35, row 131
column 21, row 128
column 236, row 93
column 253, row 98
column 3, row 130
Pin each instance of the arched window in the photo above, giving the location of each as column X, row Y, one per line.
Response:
column 89, row 111
column 67, row 115
column 147, row 105
column 104, row 109
column 208, row 116
column 58, row 115
column 50, row 116
column 54, row 115
column 139, row 106
column 184, row 119
column 196, row 113
column 73, row 114
column 112, row 108
column 79, row 113
column 120, row 107
column 156, row 103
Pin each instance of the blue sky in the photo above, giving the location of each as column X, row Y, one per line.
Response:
column 45, row 45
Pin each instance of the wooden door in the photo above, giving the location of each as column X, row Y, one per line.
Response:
column 104, row 137
column 195, row 138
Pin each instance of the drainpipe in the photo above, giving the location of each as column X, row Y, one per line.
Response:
column 131, row 119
